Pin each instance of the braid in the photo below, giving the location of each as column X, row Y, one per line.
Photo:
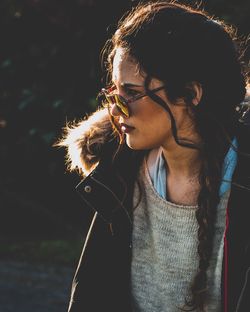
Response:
column 205, row 215
column 212, row 156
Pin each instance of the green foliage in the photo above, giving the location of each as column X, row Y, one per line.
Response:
column 6, row 63
column 47, row 251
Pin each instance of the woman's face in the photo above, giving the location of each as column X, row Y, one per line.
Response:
column 148, row 125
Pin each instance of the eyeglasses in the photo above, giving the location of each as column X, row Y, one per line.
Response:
column 122, row 104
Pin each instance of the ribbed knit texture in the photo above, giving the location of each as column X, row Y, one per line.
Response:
column 164, row 251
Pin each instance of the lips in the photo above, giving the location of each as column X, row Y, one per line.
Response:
column 126, row 128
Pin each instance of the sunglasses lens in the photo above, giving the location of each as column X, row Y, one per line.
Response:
column 120, row 103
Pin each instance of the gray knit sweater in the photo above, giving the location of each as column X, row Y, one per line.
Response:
column 164, row 251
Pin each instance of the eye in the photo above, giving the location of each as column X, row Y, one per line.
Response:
column 132, row 92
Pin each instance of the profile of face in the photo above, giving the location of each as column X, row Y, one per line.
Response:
column 148, row 125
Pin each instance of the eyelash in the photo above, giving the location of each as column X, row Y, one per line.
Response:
column 132, row 92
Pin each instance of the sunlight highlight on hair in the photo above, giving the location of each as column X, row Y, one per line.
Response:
column 83, row 141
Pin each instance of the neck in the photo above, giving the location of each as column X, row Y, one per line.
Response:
column 182, row 161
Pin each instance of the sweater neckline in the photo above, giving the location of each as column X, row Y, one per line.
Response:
column 153, row 191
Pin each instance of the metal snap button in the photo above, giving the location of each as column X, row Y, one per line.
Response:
column 87, row 189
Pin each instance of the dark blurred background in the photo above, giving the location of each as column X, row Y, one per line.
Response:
column 50, row 73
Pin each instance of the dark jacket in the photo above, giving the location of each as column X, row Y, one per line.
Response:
column 102, row 278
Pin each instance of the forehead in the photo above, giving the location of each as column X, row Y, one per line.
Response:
column 125, row 69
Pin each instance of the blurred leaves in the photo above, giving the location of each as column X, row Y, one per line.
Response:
column 56, row 252
column 6, row 63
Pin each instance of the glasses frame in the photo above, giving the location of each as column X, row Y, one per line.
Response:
column 121, row 103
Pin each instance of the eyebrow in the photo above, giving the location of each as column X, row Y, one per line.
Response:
column 127, row 85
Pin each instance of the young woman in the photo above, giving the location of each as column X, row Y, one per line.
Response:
column 166, row 169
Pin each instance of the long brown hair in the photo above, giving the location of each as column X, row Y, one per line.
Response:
column 178, row 45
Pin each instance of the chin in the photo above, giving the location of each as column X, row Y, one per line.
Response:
column 137, row 145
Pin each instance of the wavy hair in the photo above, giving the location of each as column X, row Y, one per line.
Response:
column 179, row 45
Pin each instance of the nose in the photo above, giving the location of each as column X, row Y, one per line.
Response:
column 114, row 111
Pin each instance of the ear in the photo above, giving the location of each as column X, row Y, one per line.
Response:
column 197, row 91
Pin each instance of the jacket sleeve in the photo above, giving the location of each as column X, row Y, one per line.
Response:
column 93, row 288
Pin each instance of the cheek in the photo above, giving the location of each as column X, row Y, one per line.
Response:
column 154, row 118
column 152, row 129
column 146, row 111
column 153, row 124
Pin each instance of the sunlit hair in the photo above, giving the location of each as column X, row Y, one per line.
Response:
column 179, row 45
